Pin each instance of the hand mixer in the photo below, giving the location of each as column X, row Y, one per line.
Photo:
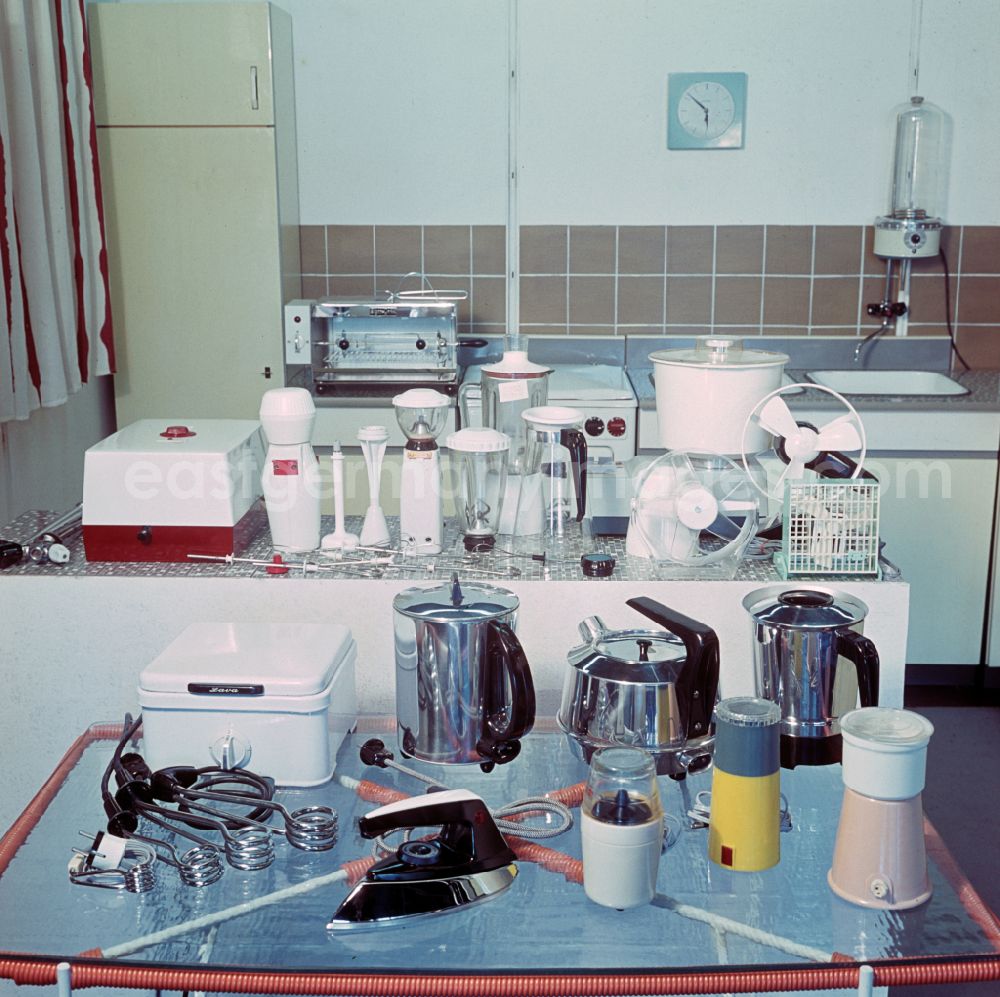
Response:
column 374, row 531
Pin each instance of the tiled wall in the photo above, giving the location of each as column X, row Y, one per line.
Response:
column 773, row 280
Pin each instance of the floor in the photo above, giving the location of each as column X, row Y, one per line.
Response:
column 962, row 797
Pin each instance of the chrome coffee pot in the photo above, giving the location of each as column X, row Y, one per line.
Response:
column 653, row 689
column 464, row 692
column 799, row 638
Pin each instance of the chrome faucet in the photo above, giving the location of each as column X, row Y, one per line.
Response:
column 887, row 309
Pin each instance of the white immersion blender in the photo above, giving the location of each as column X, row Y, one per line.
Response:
column 374, row 531
column 421, row 414
column 340, row 538
column 291, row 478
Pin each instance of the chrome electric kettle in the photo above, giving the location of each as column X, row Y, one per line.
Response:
column 799, row 638
column 653, row 689
column 463, row 685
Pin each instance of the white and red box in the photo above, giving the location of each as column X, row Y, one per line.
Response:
column 161, row 489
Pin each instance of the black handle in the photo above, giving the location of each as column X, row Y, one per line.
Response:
column 863, row 653
column 473, row 344
column 10, row 553
column 698, row 682
column 576, row 443
column 504, row 722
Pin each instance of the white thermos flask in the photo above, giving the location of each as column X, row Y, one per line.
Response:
column 621, row 826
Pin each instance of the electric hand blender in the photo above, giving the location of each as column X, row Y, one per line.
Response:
column 340, row 538
column 374, row 531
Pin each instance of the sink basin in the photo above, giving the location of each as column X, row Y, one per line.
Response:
column 887, row 382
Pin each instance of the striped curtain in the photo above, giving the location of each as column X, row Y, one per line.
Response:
column 55, row 320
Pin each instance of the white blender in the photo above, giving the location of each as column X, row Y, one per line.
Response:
column 374, row 531
column 421, row 414
column 291, row 478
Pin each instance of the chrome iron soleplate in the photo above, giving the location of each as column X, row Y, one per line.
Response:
column 375, row 904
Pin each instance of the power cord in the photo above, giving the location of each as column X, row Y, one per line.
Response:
column 947, row 309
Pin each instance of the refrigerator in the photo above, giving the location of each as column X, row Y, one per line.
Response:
column 195, row 115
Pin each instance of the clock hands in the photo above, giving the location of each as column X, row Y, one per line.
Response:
column 702, row 106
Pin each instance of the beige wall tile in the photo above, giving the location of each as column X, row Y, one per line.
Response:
column 689, row 300
column 979, row 299
column 314, row 286
column 980, row 347
column 927, row 299
column 447, row 249
column 398, row 249
column 543, row 300
column 350, row 249
column 360, row 286
column 980, row 249
column 543, row 249
column 838, row 249
column 592, row 300
column 690, row 249
column 835, row 299
column 789, row 249
column 489, row 300
column 739, row 249
column 312, row 249
column 640, row 300
column 592, row 249
column 737, row 300
column 786, row 301
column 489, row 249
column 641, row 249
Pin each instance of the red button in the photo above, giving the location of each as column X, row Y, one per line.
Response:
column 726, row 858
column 616, row 426
column 177, row 432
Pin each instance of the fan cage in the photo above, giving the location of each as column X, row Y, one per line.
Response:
column 829, row 528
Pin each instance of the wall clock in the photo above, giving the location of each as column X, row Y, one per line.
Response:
column 706, row 110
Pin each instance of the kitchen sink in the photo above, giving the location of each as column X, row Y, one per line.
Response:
column 887, row 382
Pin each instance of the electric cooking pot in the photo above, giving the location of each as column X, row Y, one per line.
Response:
column 655, row 689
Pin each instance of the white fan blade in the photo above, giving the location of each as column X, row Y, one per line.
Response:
column 839, row 434
column 777, row 418
column 792, row 472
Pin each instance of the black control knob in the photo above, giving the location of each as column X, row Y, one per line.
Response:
column 617, row 426
column 594, row 426
column 421, row 344
column 344, row 344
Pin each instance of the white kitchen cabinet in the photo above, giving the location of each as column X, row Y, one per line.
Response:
column 195, row 112
column 937, row 522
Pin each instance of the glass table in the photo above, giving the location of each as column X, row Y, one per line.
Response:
column 709, row 930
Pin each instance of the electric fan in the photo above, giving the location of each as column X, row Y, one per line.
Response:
column 691, row 512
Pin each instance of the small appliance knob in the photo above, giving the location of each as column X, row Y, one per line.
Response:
column 594, row 426
column 617, row 426
column 231, row 751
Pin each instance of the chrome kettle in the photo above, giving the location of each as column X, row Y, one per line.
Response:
column 653, row 689
column 799, row 637
column 463, row 685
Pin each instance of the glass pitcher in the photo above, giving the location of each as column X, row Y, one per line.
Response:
column 553, row 491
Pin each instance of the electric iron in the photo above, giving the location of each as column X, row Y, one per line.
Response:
column 467, row 862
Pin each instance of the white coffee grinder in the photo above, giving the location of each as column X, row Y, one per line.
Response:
column 421, row 414
column 291, row 478
column 879, row 858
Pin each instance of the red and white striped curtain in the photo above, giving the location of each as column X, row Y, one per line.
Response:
column 55, row 317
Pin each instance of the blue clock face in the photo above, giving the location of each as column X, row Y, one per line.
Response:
column 706, row 110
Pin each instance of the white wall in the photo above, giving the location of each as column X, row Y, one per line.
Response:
column 41, row 458
column 402, row 109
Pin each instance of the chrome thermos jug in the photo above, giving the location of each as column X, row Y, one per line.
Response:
column 800, row 636
column 464, row 692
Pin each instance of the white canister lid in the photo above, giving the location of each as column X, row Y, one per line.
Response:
column 515, row 365
column 421, row 398
column 719, row 352
column 553, row 417
column 278, row 659
column 885, row 728
column 471, row 440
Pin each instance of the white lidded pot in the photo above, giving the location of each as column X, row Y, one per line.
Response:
column 885, row 752
column 705, row 394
